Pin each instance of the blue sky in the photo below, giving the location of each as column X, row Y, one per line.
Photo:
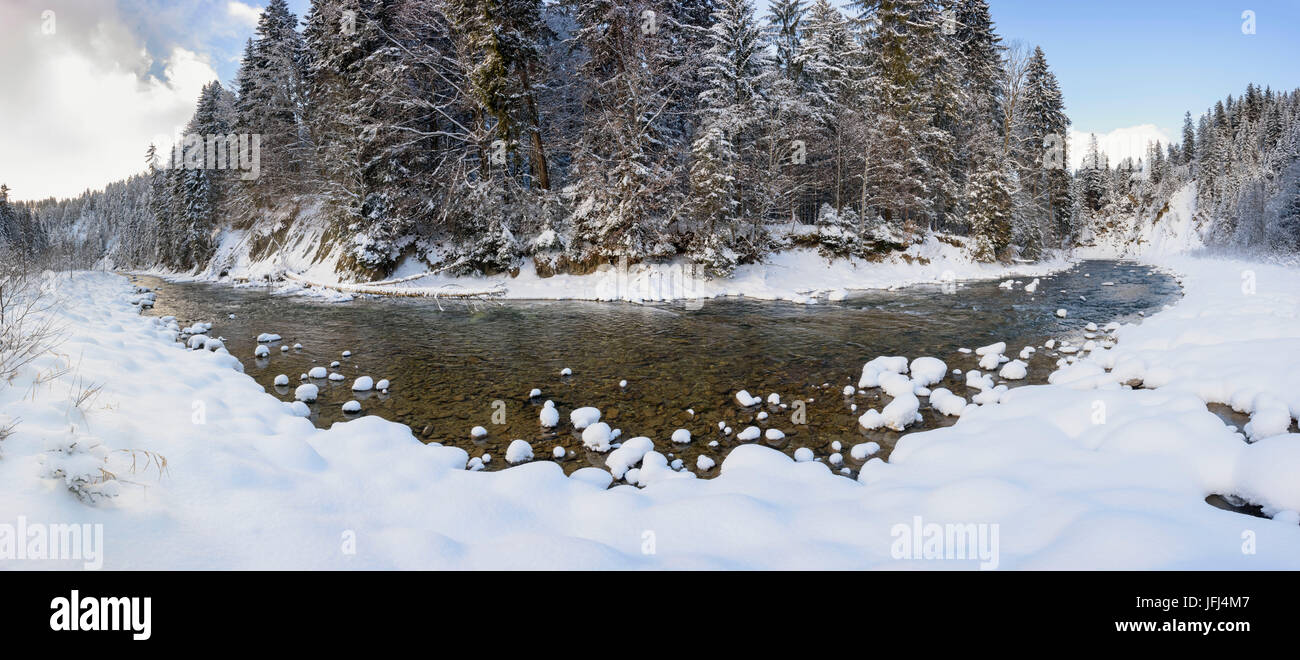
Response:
column 118, row 74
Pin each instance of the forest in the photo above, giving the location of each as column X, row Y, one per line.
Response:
column 475, row 134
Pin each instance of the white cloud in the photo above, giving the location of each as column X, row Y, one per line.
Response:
column 81, row 107
column 245, row 14
column 1118, row 144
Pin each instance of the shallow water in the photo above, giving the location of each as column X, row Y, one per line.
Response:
column 467, row 366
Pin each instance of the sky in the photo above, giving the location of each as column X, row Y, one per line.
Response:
column 87, row 87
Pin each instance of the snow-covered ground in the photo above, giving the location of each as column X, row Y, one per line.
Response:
column 799, row 275
column 1082, row 473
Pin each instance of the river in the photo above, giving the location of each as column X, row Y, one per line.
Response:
column 467, row 365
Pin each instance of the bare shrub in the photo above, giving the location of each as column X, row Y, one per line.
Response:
column 26, row 330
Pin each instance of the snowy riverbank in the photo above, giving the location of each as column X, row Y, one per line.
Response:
column 1079, row 474
column 799, row 275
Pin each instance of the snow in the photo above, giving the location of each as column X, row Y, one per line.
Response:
column 946, row 402
column 862, row 450
column 383, row 385
column 902, row 411
column 534, row 393
column 478, row 432
column 628, row 455
column 871, row 420
column 749, row 433
column 745, row 399
column 927, row 371
column 281, row 380
column 596, row 436
column 549, row 416
column 803, row 454
column 519, row 451
column 268, row 337
column 1014, row 370
column 317, row 372
column 1066, row 492
column 352, row 407
column 773, row 434
column 682, row 436
column 704, row 463
column 1061, row 313
column 261, row 351
column 581, row 418
column 363, row 384
column 306, row 393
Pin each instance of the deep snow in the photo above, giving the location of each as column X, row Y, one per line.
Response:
column 1083, row 473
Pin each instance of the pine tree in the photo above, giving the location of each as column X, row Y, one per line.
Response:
column 272, row 104
column 624, row 186
column 722, row 193
column 910, row 95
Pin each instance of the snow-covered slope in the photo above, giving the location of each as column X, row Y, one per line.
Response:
column 1083, row 473
column 799, row 274
column 1173, row 229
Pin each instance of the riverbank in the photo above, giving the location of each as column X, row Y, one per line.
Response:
column 1083, row 473
column 798, row 275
